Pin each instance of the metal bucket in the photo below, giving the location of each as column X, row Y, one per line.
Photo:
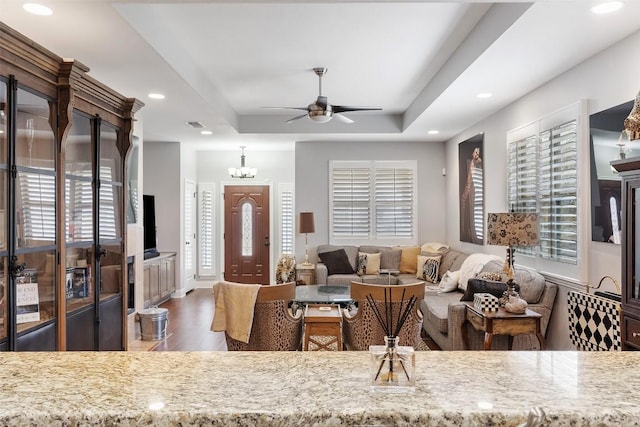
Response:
column 153, row 323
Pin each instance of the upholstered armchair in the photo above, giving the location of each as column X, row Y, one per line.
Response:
column 274, row 327
column 361, row 327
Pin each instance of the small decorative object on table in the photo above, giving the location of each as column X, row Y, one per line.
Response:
column 392, row 366
column 485, row 302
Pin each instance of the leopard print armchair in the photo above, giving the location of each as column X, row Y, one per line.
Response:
column 274, row 327
column 361, row 327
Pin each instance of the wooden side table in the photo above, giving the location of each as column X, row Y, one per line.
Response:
column 501, row 322
column 306, row 273
column 322, row 320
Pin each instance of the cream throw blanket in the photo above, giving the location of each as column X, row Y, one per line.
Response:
column 234, row 305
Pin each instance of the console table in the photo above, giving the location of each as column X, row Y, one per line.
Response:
column 315, row 388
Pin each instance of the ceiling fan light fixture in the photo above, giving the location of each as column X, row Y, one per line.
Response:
column 320, row 116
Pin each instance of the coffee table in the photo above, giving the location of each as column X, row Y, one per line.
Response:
column 319, row 294
column 501, row 322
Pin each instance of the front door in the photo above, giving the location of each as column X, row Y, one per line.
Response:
column 246, row 233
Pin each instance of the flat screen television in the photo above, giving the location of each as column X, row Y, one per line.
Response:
column 149, row 223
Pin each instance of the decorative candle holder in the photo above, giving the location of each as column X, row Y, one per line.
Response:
column 392, row 366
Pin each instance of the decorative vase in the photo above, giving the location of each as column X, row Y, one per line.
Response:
column 392, row 366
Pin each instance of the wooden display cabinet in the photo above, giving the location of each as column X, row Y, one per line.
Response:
column 63, row 140
column 629, row 170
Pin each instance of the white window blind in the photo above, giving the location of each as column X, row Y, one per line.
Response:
column 542, row 178
column 38, row 199
column 394, row 202
column 287, row 222
column 206, row 230
column 107, row 195
column 373, row 201
column 351, row 202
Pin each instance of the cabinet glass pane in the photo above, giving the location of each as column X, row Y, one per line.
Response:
column 3, row 210
column 3, row 297
column 78, row 147
column 110, row 157
column 79, row 210
column 110, row 211
column 110, row 271
column 36, row 209
column 3, row 123
column 635, row 273
column 35, row 138
column 79, row 283
column 35, row 289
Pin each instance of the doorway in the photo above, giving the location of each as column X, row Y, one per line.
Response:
column 246, row 234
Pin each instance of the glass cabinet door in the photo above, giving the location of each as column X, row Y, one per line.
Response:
column 79, row 283
column 34, row 260
column 110, row 211
column 3, row 222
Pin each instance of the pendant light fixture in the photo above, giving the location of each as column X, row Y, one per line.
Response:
column 243, row 171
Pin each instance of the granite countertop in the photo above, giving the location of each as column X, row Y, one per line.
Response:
column 315, row 388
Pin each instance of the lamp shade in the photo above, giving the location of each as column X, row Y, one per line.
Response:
column 306, row 223
column 513, row 229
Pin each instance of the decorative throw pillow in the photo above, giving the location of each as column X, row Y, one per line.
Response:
column 428, row 268
column 490, row 275
column 478, row 285
column 409, row 259
column 368, row 263
column 336, row 261
column 473, row 265
column 449, row 282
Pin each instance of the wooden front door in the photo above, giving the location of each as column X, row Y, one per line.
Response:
column 246, row 234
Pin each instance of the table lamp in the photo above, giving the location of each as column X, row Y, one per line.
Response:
column 512, row 229
column 306, row 226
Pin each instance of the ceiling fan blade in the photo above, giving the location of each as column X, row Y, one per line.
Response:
column 344, row 108
column 286, row 108
column 296, row 118
column 342, row 118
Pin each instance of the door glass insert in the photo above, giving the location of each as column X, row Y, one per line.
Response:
column 110, row 159
column 247, row 229
column 36, row 209
column 35, row 289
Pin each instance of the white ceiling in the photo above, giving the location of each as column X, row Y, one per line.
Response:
column 221, row 62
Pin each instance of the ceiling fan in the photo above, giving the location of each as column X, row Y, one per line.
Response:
column 320, row 111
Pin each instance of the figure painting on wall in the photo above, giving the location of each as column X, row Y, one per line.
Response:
column 471, row 190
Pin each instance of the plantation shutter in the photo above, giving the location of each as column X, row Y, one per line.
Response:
column 351, row 207
column 107, row 219
column 557, row 183
column 206, row 221
column 394, row 202
column 38, row 197
column 542, row 178
column 286, row 220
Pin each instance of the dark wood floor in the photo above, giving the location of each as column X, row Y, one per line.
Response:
column 189, row 324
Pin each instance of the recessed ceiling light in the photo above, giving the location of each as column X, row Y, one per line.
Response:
column 484, row 95
column 433, row 132
column 37, row 9
column 608, row 7
column 156, row 96
column 206, row 132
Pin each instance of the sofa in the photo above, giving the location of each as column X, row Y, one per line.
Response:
column 401, row 261
column 444, row 314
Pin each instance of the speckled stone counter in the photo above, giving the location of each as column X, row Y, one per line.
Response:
column 315, row 388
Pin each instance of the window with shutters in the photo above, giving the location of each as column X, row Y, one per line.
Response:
column 206, row 229
column 287, row 223
column 373, row 201
column 38, row 199
column 542, row 177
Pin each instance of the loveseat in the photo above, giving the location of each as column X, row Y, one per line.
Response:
column 444, row 313
column 401, row 261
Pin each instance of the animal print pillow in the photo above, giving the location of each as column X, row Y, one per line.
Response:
column 368, row 263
